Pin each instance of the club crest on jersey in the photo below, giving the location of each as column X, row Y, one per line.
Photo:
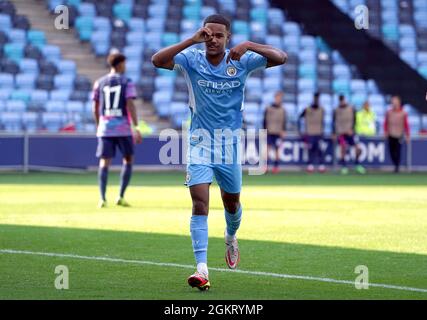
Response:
column 231, row 71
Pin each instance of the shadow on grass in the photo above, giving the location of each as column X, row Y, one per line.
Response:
column 172, row 179
column 20, row 272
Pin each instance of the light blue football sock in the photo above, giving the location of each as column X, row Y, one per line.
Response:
column 199, row 237
column 233, row 221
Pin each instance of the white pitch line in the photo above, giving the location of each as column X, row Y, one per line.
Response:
column 186, row 266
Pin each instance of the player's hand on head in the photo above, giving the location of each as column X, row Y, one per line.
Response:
column 237, row 52
column 203, row 35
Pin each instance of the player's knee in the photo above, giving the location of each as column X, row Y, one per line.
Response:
column 200, row 207
column 128, row 160
column 232, row 206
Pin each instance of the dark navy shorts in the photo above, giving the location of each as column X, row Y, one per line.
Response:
column 273, row 140
column 107, row 146
column 313, row 140
column 346, row 139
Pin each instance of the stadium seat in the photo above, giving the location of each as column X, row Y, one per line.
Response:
column 55, row 106
column 12, row 121
column 17, row 106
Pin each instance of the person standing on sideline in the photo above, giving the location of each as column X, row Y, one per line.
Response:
column 343, row 125
column 366, row 121
column 395, row 128
column 313, row 136
column 275, row 124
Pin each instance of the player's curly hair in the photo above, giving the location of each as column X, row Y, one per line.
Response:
column 218, row 18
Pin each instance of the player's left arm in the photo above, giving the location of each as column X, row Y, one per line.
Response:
column 274, row 56
column 130, row 106
column 95, row 103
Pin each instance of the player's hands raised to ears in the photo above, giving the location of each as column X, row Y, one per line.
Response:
column 202, row 35
column 237, row 52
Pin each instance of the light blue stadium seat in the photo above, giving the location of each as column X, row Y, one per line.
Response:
column 390, row 32
column 4, row 94
column 135, row 38
column 408, row 43
column 74, row 106
column 291, row 28
column 239, row 38
column 153, row 40
column 169, row 38
column 358, row 85
column 5, row 22
column 275, row 41
column 410, row 57
column 21, row 95
column 52, row 121
column 406, row 30
column 275, row 16
column 207, row 11
column 25, row 80
column 133, row 51
column 157, row 10
column 308, row 42
column 326, row 101
column 258, row 29
column 102, row 24
column 155, row 25
column 133, row 75
column 423, row 70
column 136, row 24
column 2, row 105
column 18, row 36
column 341, row 71
column 84, row 26
column 307, row 70
column 51, row 52
column 39, row 96
column 101, row 48
column 122, row 11
column 272, row 83
column 422, row 57
column 30, row 121
column 240, row 27
column 258, row 14
column 164, row 83
column 60, row 95
column 100, row 36
column 307, row 56
column 14, row 51
column 291, row 43
column 55, row 106
column 29, row 66
column 6, row 81
column 36, row 38
column 251, row 107
column 64, row 81
column 191, row 12
column 358, row 99
column 87, row 9
column 306, row 85
column 12, row 121
column 341, row 86
column 66, row 67
column 371, row 86
column 18, row 106
column 189, row 26
column 376, row 99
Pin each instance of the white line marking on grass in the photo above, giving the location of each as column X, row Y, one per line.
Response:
column 186, row 266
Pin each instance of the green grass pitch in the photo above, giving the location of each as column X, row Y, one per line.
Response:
column 320, row 226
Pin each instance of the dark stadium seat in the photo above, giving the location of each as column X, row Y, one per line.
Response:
column 21, row 22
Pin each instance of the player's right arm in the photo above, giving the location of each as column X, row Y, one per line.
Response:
column 95, row 103
column 165, row 57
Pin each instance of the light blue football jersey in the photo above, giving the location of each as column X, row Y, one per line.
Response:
column 216, row 93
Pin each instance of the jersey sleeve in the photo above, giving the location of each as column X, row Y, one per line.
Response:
column 130, row 90
column 184, row 59
column 255, row 61
column 95, row 92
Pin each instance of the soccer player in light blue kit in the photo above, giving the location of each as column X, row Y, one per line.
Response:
column 216, row 80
